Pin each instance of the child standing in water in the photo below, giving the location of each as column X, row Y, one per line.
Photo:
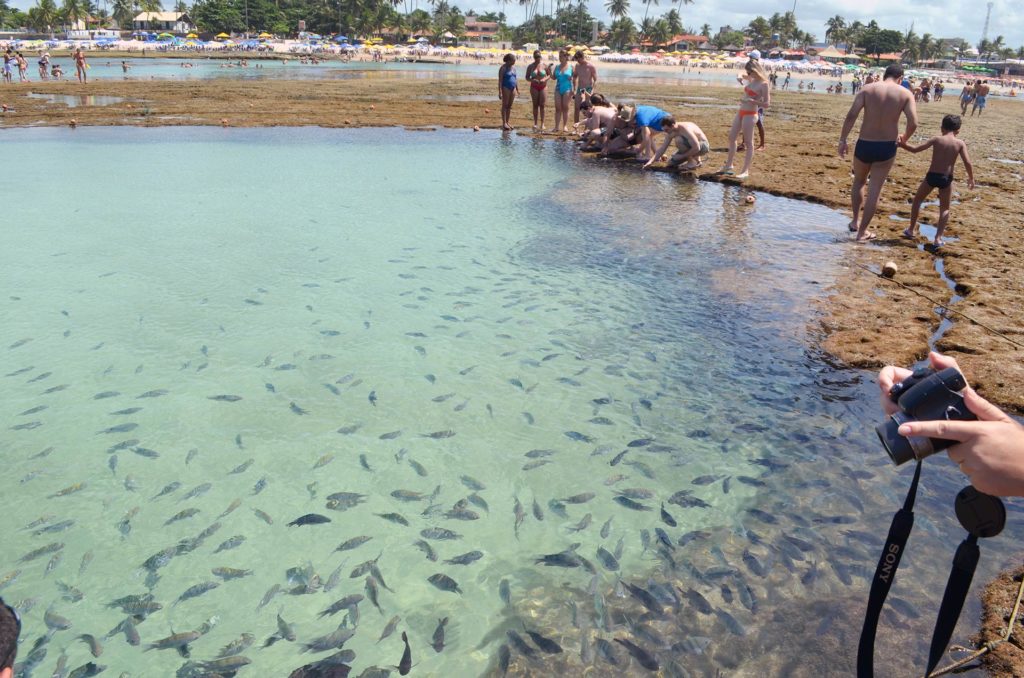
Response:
column 946, row 148
column 508, row 88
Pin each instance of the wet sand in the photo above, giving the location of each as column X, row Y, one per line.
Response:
column 865, row 321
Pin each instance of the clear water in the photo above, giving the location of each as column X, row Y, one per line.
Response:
column 76, row 100
column 502, row 293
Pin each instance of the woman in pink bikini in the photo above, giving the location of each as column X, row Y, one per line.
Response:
column 537, row 74
column 756, row 94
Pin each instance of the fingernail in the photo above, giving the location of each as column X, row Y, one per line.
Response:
column 904, row 430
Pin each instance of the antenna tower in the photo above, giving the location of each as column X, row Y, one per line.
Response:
column 988, row 15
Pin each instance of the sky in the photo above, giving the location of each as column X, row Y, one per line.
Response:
column 941, row 18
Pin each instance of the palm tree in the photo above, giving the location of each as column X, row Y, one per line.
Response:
column 617, row 8
column 647, row 6
column 853, row 34
column 181, row 7
column 622, row 32
column 1020, row 52
column 836, row 29
column 927, row 47
column 124, row 12
column 705, row 30
column 73, row 11
column 151, row 5
column 646, row 28
column 660, row 33
column 675, row 22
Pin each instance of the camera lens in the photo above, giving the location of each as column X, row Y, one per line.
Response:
column 898, row 447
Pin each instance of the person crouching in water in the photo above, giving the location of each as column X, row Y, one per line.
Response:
column 508, row 88
column 621, row 136
column 598, row 116
column 691, row 144
column 756, row 94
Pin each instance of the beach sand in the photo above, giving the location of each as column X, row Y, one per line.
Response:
column 865, row 321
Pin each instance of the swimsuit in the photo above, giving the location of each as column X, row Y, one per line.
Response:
column 938, row 180
column 587, row 90
column 979, row 101
column 874, row 151
column 508, row 79
column 703, row 150
column 563, row 78
column 534, row 85
column 649, row 116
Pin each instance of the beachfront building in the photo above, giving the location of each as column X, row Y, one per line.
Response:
column 480, row 33
column 170, row 22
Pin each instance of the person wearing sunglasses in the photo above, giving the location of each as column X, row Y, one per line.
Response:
column 10, row 629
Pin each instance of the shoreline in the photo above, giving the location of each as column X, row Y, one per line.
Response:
column 864, row 321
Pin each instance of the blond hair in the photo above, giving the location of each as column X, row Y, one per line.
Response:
column 755, row 69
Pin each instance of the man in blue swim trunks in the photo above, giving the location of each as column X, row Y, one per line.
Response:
column 883, row 103
column 980, row 97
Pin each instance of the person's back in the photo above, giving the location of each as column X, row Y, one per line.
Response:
column 945, row 150
column 884, row 102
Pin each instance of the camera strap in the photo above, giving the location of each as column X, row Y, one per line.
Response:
column 895, row 543
column 982, row 515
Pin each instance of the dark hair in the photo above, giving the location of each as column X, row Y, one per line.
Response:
column 509, row 58
column 893, row 72
column 951, row 123
column 579, row 54
column 536, row 54
column 599, row 100
column 10, row 628
column 668, row 121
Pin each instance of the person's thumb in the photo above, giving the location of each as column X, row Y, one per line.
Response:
column 941, row 362
column 983, row 409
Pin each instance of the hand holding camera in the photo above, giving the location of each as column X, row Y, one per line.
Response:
column 935, row 409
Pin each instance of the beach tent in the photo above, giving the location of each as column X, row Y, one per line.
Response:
column 221, row 36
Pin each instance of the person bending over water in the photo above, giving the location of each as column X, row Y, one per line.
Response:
column 508, row 88
column 563, row 75
column 538, row 75
column 598, row 117
column 756, row 95
column 946, row 148
column 691, row 144
column 883, row 103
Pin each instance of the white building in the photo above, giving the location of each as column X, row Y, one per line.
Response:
column 158, row 22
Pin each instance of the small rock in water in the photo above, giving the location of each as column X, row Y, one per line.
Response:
column 889, row 269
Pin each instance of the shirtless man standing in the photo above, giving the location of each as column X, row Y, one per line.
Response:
column 584, row 80
column 883, row 103
column 980, row 97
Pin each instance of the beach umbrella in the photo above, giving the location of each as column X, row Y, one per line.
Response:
column 223, row 35
column 264, row 36
column 191, row 36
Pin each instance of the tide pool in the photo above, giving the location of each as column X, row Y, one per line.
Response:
column 492, row 381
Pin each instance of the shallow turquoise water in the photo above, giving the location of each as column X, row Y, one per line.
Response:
column 408, row 312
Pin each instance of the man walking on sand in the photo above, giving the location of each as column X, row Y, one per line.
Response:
column 883, row 103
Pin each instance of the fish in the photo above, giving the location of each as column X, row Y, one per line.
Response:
column 227, row 573
column 405, row 664
column 579, row 498
column 730, row 622
column 182, row 515
column 197, row 491
column 439, row 533
column 427, row 549
column 342, row 604
column 642, row 656
column 520, row 515
column 284, row 629
column 168, row 488
column 309, row 519
column 370, row 587
column 389, row 628
column 354, row 542
column 578, row 437
column 437, row 640
column 583, row 524
column 699, row 602
column 396, row 518
column 544, row 643
column 176, row 640
column 296, row 409
column 71, row 489
column 630, row 504
column 236, row 646
column 42, row 551
column 233, row 542
column 438, row 435
column 197, row 590
column 225, row 398
column 645, row 598
column 154, row 394
column 373, row 400
column 444, row 583
column 537, row 512
column 465, row 558
column 263, row 516
column 609, row 561
column 472, row 483
column 55, row 622
column 617, row 458
column 268, row 596
column 666, row 517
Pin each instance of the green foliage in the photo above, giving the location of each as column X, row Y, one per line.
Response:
column 879, row 41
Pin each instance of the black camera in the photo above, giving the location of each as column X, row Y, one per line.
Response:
column 926, row 395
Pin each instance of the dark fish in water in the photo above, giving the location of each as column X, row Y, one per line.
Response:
column 537, row 512
column 705, row 480
column 227, row 573
column 354, row 542
column 583, row 524
column 418, row 467
column 753, row 482
column 505, row 592
column 296, row 409
column 473, row 484
column 699, row 602
column 617, row 458
column 339, row 605
column 405, row 664
column 236, row 646
column 763, row 516
column 225, row 398
column 233, row 542
column 607, row 559
column 579, row 498
column 642, row 656
column 95, row 647
column 439, row 533
column 427, row 549
column 331, row 641
column 146, row 452
column 684, row 499
column 544, row 643
column 310, row 519
column 520, row 515
column 391, row 435
column 730, row 622
column 640, row 442
column 645, row 598
column 168, row 488
column 519, row 644
column 630, row 504
column 197, row 491
column 121, row 428
column 373, row 401
column 349, row 430
column 154, row 394
column 197, row 590
column 465, row 558
column 396, row 518
column 444, row 583
column 437, row 641
column 578, row 437
column 536, row 464
column 437, row 435
column 106, row 394
column 666, row 517
column 182, row 515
